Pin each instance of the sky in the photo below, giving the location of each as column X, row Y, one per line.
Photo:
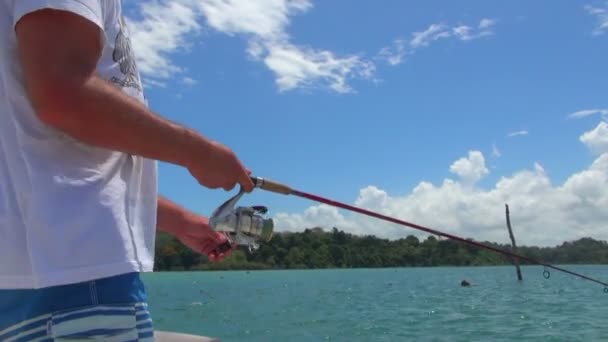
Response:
column 435, row 112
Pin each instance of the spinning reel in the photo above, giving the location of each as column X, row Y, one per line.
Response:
column 244, row 226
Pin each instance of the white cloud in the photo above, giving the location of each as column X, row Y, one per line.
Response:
column 470, row 169
column 597, row 139
column 517, row 133
column 264, row 19
column 395, row 54
column 495, row 151
column 601, row 14
column 542, row 213
column 165, row 27
column 255, row 49
column 486, row 23
column 316, row 216
column 265, row 22
column 433, row 33
column 301, row 67
column 189, row 81
column 589, row 112
column 160, row 32
column 148, row 82
column 462, row 32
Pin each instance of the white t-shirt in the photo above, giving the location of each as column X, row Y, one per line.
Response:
column 70, row 212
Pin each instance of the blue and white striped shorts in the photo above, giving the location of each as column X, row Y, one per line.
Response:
column 111, row 309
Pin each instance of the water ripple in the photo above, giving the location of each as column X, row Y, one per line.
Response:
column 421, row 304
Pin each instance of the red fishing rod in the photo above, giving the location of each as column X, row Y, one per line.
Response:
column 279, row 188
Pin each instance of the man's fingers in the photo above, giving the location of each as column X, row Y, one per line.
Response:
column 214, row 253
column 219, row 237
column 228, row 186
column 246, row 182
column 228, row 252
column 212, row 256
column 206, row 247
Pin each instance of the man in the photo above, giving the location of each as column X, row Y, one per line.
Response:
column 78, row 189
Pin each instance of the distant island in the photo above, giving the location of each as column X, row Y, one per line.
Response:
column 315, row 248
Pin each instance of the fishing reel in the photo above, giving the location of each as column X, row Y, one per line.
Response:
column 243, row 226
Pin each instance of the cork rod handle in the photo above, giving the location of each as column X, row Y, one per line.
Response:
column 272, row 186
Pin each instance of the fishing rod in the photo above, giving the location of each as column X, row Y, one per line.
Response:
column 246, row 225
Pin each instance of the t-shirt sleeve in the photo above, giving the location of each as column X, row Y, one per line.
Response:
column 89, row 9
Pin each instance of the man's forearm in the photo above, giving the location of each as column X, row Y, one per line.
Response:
column 171, row 216
column 97, row 113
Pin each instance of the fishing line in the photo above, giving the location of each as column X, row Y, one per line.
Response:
column 286, row 190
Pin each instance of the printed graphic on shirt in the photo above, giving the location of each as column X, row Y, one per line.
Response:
column 123, row 55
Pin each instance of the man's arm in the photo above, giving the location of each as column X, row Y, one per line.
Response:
column 172, row 218
column 191, row 229
column 59, row 52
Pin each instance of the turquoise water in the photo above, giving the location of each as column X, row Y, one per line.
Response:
column 402, row 304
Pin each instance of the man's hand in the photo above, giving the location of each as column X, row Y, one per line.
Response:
column 198, row 236
column 220, row 169
column 191, row 229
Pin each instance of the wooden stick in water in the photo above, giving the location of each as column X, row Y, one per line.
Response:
column 515, row 260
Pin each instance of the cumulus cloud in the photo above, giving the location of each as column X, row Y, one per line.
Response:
column 597, row 139
column 470, row 169
column 542, row 213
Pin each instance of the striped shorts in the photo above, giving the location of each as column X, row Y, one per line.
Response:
column 111, row 309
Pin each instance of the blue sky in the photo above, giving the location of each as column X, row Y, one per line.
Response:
column 380, row 105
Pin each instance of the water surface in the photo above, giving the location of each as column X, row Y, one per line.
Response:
column 399, row 304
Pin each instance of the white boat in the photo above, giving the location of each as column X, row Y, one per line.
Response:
column 166, row 336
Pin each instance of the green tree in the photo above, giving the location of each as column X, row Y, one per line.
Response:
column 315, row 248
